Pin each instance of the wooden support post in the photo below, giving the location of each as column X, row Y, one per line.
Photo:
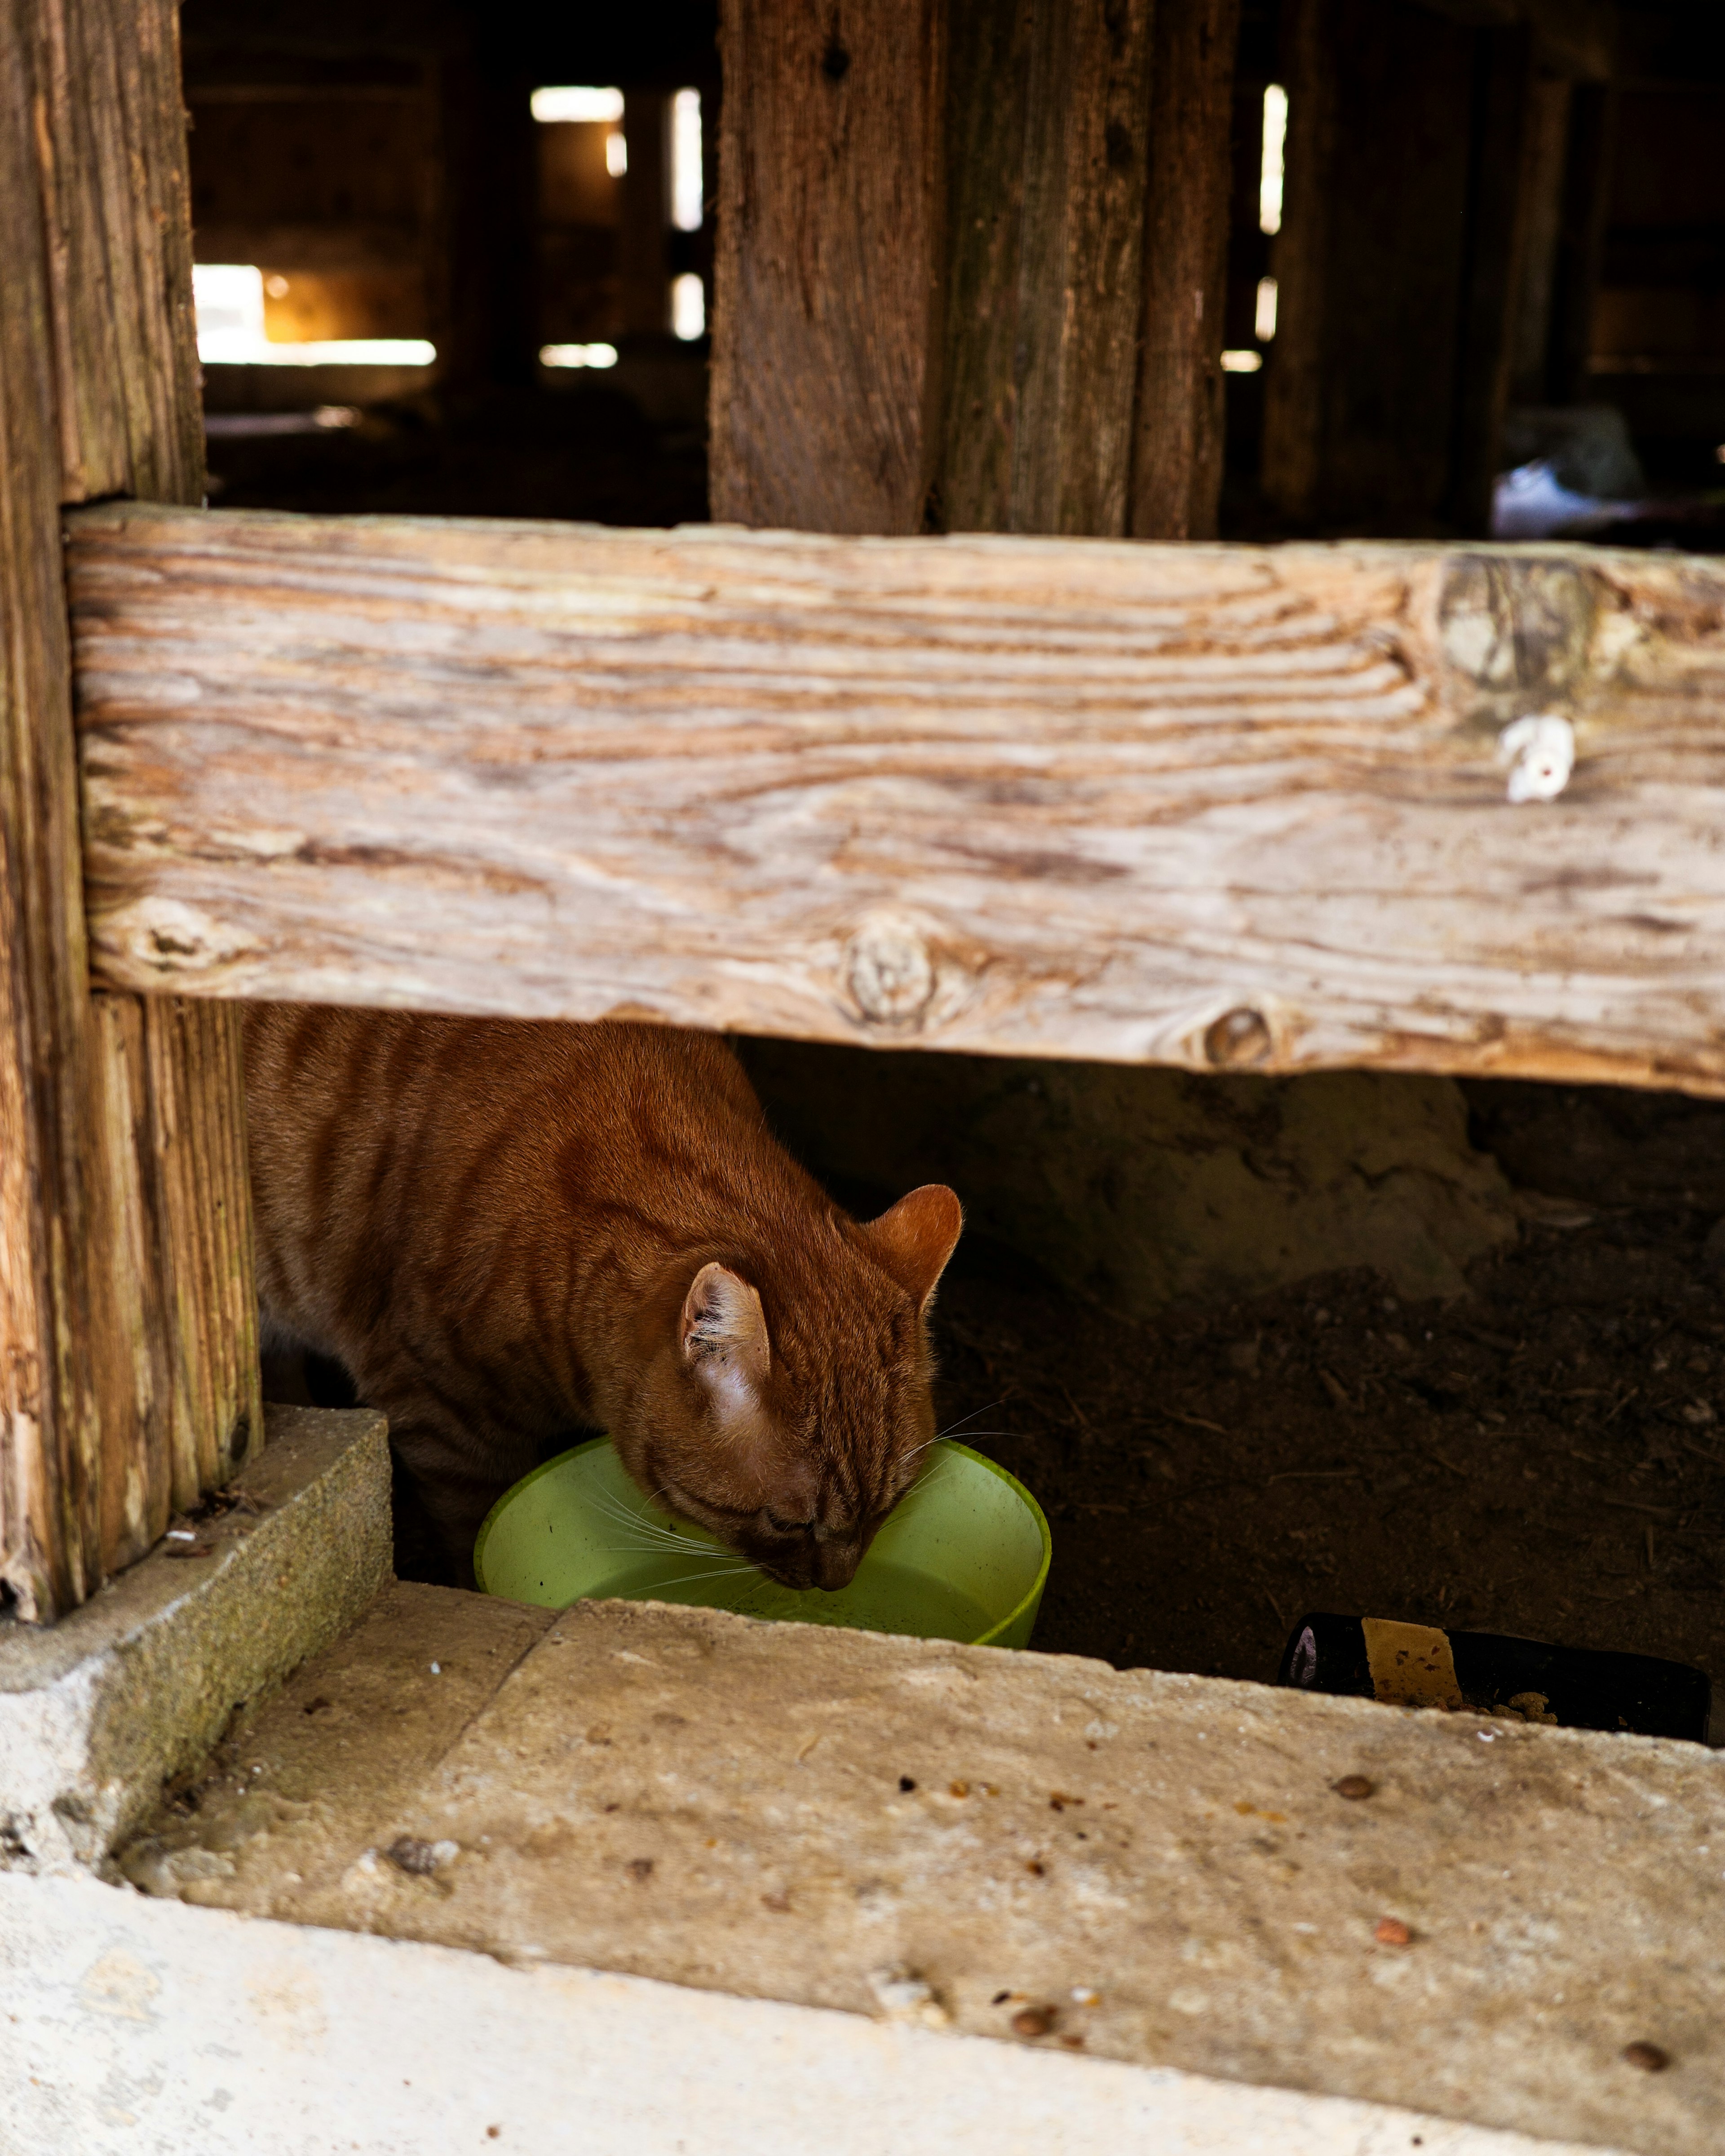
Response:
column 1049, row 121
column 1177, row 461
column 933, row 307
column 830, row 255
column 128, row 1365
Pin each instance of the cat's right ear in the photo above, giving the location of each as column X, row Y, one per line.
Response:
column 914, row 1240
column 723, row 1334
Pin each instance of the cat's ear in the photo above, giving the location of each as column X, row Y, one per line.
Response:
column 915, row 1240
column 723, row 1334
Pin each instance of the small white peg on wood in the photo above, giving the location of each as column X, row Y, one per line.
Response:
column 1540, row 752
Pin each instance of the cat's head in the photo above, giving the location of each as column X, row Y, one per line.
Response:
column 785, row 1403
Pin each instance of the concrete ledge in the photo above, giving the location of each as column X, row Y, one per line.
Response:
column 141, row 2028
column 1152, row 1869
column 98, row 1712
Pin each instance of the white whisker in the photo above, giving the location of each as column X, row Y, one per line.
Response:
column 641, row 1549
column 971, row 1417
column 622, row 1517
column 732, row 1572
column 924, row 1479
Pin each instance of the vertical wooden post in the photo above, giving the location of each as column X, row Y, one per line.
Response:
column 1177, row 459
column 1048, row 122
column 932, row 306
column 128, row 1363
column 830, row 257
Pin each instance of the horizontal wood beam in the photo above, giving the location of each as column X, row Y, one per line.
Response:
column 1217, row 806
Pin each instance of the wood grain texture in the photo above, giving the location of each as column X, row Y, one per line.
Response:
column 202, row 1196
column 130, row 1352
column 98, row 393
column 1177, row 459
column 1048, row 127
column 1222, row 807
column 830, row 257
column 108, row 123
column 49, row 1433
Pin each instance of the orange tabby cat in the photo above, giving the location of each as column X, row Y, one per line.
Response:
column 502, row 1230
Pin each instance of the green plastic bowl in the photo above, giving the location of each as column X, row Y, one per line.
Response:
column 963, row 1557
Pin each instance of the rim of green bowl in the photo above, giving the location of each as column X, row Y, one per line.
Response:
column 1025, row 1601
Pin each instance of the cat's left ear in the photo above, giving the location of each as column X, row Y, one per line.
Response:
column 915, row 1240
column 723, row 1333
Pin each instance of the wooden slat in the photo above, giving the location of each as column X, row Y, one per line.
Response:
column 49, row 1439
column 934, row 311
column 830, row 258
column 110, row 131
column 1048, row 124
column 1210, row 806
column 1177, row 461
column 98, row 394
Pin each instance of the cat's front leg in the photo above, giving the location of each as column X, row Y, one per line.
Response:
column 459, row 1469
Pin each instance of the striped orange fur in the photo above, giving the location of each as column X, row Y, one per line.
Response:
column 508, row 1231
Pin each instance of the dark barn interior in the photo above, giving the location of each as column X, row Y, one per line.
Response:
column 1451, row 1352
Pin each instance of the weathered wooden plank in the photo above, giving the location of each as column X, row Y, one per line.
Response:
column 130, row 1354
column 98, row 393
column 830, row 256
column 1213, row 806
column 109, row 131
column 1178, row 438
column 1048, row 120
column 49, row 1444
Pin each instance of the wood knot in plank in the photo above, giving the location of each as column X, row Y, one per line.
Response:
column 890, row 970
column 1238, row 1039
column 1514, row 630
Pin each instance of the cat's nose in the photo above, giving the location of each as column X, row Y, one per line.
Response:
column 836, row 1562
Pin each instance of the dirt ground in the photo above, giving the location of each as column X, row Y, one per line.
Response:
column 1545, row 1456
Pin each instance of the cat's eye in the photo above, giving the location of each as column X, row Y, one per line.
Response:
column 787, row 1527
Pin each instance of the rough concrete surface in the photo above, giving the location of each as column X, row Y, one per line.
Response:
column 144, row 2029
column 1160, row 1866
column 96, row 1712
column 1141, row 1188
